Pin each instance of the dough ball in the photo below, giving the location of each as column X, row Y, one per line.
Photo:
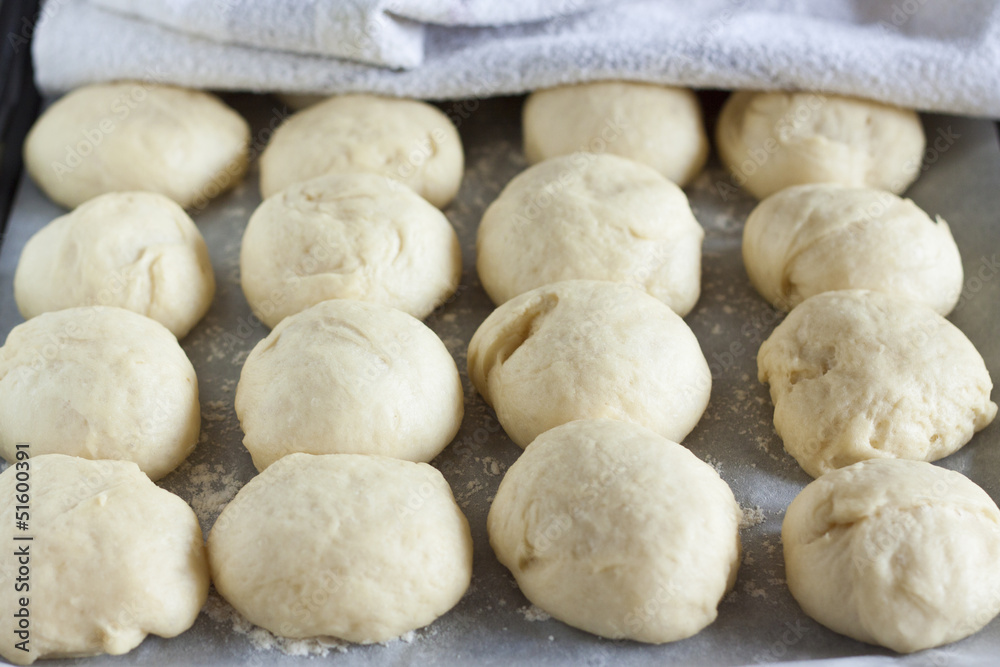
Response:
column 591, row 216
column 809, row 239
column 773, row 140
column 135, row 250
column 114, row 137
column 112, row 559
column 898, row 553
column 349, row 377
column 656, row 125
column 618, row 531
column 348, row 236
column 406, row 140
column 858, row 375
column 362, row 548
column 588, row 349
column 100, row 383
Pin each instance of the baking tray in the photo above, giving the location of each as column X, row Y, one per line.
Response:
column 758, row 622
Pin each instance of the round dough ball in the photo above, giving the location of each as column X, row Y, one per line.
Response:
column 406, row 140
column 588, row 349
column 363, row 548
column 773, row 140
column 898, row 553
column 114, row 137
column 618, row 531
column 656, row 125
column 349, row 377
column 348, row 236
column 591, row 216
column 112, row 559
column 857, row 375
column 809, row 239
column 135, row 250
column 100, row 383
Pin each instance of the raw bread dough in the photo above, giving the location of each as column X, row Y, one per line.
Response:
column 809, row 239
column 656, row 125
column 618, row 531
column 133, row 135
column 857, row 375
column 773, row 140
column 348, row 236
column 100, row 383
column 113, row 558
column 591, row 216
column 588, row 349
column 406, row 140
column 135, row 250
column 898, row 553
column 349, row 377
column 363, row 548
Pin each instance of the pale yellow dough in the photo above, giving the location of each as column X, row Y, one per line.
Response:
column 857, row 375
column 898, row 553
column 618, row 531
column 112, row 559
column 809, row 239
column 348, row 236
column 588, row 349
column 600, row 217
column 406, row 140
column 349, row 377
column 100, row 383
column 656, row 125
column 133, row 135
column 362, row 548
column 773, row 140
column 135, row 250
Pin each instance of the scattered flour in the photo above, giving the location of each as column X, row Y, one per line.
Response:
column 532, row 613
column 714, row 462
column 223, row 613
column 752, row 516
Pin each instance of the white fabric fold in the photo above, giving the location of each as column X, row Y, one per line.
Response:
column 927, row 54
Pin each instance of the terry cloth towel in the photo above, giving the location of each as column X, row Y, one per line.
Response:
column 928, row 54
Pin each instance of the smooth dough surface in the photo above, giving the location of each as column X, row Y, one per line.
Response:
column 362, row 548
column 656, row 125
column 856, row 375
column 114, row 558
column 118, row 137
column 898, row 553
column 406, row 140
column 348, row 236
column 618, row 531
column 600, row 217
column 773, row 140
column 588, row 349
column 349, row 377
column 809, row 239
column 100, row 383
column 135, row 250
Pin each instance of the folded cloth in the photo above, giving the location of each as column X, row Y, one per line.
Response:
column 927, row 54
column 379, row 32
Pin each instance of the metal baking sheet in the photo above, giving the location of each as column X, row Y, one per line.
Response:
column 758, row 622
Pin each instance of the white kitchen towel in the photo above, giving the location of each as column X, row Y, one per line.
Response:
column 379, row 32
column 928, row 54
